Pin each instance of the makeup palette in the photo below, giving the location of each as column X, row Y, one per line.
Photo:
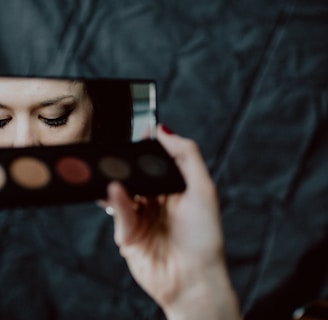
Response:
column 81, row 172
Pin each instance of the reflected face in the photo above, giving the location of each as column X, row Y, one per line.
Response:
column 36, row 112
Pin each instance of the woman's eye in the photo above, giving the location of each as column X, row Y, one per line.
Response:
column 56, row 122
column 3, row 122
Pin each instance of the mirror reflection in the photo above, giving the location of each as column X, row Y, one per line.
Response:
column 52, row 111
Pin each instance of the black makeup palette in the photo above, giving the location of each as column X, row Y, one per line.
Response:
column 81, row 172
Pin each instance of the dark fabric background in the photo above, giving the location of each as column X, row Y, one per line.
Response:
column 248, row 81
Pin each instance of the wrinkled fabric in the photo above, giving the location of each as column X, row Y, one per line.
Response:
column 61, row 263
column 247, row 80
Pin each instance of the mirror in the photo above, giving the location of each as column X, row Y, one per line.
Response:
column 52, row 111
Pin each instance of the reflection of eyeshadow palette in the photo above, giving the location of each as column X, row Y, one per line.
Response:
column 77, row 173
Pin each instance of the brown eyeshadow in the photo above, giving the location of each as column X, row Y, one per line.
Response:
column 73, row 170
column 30, row 172
column 114, row 168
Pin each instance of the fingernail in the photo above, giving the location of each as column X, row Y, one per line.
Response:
column 166, row 129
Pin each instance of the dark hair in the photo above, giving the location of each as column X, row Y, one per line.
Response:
column 112, row 102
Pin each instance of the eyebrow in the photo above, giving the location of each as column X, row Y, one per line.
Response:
column 48, row 102
column 56, row 100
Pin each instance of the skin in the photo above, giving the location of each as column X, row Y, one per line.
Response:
column 174, row 247
column 36, row 112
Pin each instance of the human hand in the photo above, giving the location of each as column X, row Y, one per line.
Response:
column 173, row 244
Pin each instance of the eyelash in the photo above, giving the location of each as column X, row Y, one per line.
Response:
column 3, row 122
column 56, row 122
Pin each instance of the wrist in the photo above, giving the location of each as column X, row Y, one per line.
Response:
column 209, row 296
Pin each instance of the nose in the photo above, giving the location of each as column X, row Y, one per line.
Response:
column 24, row 135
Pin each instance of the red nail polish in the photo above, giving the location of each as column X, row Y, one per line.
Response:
column 166, row 129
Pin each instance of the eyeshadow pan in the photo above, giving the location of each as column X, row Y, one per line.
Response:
column 73, row 170
column 30, row 172
column 152, row 165
column 114, row 168
column 3, row 177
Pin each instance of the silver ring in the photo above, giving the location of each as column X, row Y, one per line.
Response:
column 110, row 210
